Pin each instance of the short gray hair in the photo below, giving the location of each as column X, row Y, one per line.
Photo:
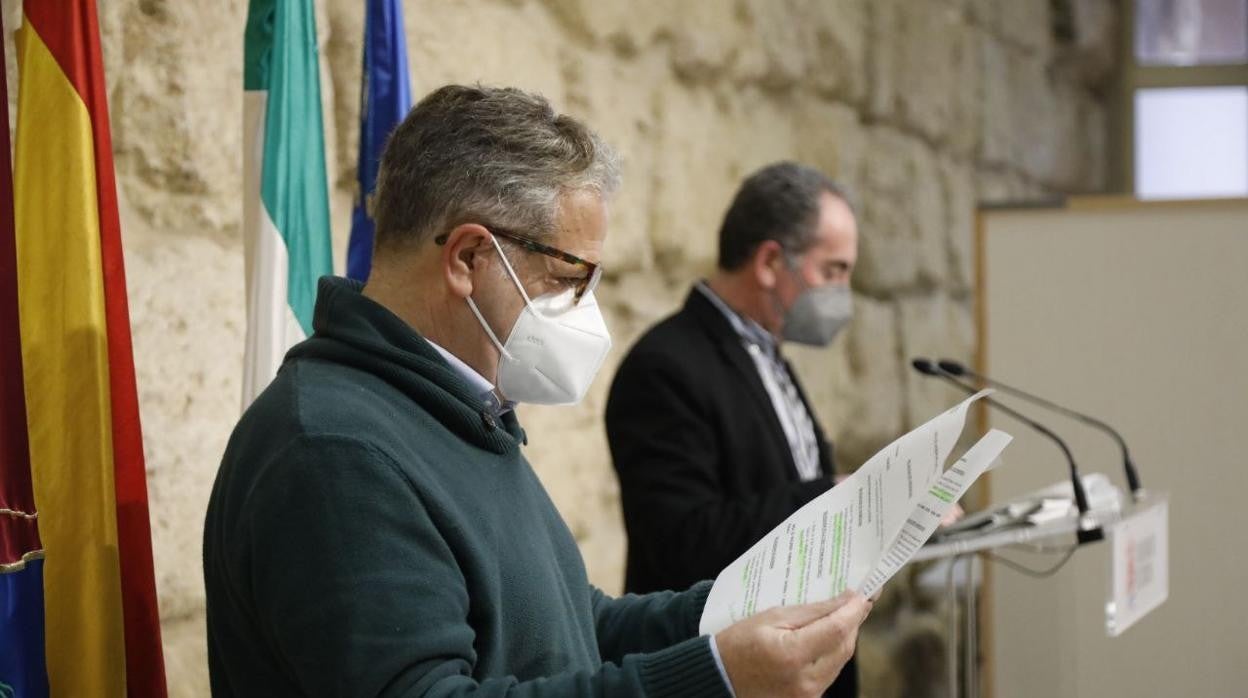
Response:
column 495, row 156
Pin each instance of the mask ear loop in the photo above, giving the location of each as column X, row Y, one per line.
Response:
column 792, row 264
column 511, row 272
column 476, row 311
column 493, row 338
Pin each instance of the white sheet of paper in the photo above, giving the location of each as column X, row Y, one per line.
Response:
column 1140, row 566
column 859, row 533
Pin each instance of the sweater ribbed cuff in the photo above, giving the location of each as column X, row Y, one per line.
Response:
column 697, row 601
column 684, row 670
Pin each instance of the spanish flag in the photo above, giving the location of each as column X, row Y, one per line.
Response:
column 81, row 451
column 22, row 671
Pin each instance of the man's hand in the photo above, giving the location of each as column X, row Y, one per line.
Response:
column 792, row 651
column 952, row 516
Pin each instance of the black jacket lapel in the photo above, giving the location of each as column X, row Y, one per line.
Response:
column 730, row 347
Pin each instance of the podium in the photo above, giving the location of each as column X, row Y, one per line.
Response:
column 1136, row 531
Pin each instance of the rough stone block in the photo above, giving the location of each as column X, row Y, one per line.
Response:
column 902, row 224
column 1091, row 54
column 967, row 88
column 821, row 45
column 838, row 57
column 175, row 103
column 1067, row 161
column 1000, row 187
column 876, row 394
column 889, row 166
column 707, row 142
column 958, row 180
column 984, row 13
column 919, row 51
column 491, row 43
column 633, row 302
column 188, row 360
column 185, row 643
column 342, row 55
column 1027, row 23
column 1034, row 117
column 935, row 327
column 996, row 117
column 704, row 41
column 692, row 186
column 703, row 37
column 710, row 27
column 830, row 136
column 883, row 20
column 764, row 134
column 886, row 264
column 618, row 101
column 1094, row 170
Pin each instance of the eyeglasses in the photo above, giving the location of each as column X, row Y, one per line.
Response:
column 585, row 284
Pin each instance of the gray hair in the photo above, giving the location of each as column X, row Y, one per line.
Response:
column 494, row 156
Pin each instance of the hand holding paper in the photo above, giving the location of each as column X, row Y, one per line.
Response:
column 795, row 650
column 858, row 534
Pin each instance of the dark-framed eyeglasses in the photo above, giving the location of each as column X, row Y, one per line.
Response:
column 585, row 284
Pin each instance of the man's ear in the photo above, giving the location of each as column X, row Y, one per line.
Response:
column 464, row 252
column 766, row 262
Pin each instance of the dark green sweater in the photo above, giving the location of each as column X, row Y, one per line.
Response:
column 373, row 530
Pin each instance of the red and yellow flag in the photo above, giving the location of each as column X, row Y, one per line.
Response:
column 22, row 666
column 85, row 445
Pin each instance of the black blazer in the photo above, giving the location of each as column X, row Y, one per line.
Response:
column 704, row 467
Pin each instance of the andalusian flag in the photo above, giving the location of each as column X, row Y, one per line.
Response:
column 76, row 370
column 385, row 98
column 285, row 200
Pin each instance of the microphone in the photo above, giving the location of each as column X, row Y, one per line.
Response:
column 1133, row 479
column 1083, row 535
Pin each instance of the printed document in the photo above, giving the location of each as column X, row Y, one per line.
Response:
column 859, row 533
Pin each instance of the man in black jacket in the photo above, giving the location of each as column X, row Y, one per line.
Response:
column 712, row 438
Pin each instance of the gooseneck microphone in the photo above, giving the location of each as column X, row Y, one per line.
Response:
column 1083, row 535
column 1133, row 479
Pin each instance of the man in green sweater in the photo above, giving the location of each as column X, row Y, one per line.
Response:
column 374, row 528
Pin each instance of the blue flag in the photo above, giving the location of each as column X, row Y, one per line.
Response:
column 385, row 98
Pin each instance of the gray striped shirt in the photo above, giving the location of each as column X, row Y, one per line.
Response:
column 791, row 412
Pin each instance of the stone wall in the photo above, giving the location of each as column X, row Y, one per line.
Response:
column 923, row 107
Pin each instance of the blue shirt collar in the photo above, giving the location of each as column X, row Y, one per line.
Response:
column 484, row 388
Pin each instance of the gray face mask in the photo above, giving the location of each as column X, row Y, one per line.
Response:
column 819, row 314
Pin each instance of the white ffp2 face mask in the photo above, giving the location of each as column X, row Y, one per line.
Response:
column 555, row 348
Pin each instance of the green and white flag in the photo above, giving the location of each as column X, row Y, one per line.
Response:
column 285, row 200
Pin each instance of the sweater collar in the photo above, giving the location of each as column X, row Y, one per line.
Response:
column 354, row 330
